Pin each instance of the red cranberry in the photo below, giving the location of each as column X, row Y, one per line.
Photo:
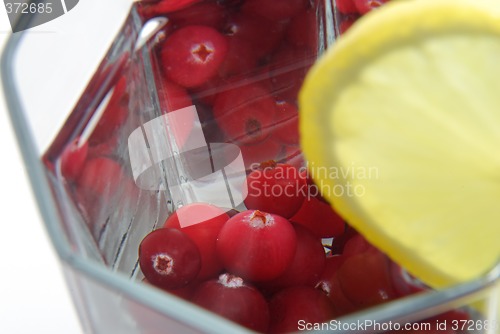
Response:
column 307, row 265
column 364, row 6
column 192, row 55
column 257, row 246
column 365, row 279
column 168, row 258
column 294, row 305
column 276, row 9
column 232, row 298
column 245, row 113
column 275, row 188
column 73, row 159
column 201, row 223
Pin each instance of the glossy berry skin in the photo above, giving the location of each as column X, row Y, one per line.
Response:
column 73, row 159
column 365, row 6
column 256, row 246
column 201, row 223
column 168, row 258
column 275, row 188
column 230, row 297
column 307, row 265
column 291, row 305
column 245, row 114
column 192, row 55
column 365, row 279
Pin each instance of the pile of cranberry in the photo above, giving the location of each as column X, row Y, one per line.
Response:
column 269, row 268
column 288, row 260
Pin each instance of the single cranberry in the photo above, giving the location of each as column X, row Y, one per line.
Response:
column 346, row 6
column 365, row 279
column 246, row 114
column 307, row 265
column 73, row 159
column 257, row 246
column 301, row 304
column 201, row 223
column 168, row 258
column 365, row 6
column 276, row 9
column 275, row 188
column 230, row 297
column 192, row 55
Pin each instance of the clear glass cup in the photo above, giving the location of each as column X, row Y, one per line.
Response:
column 120, row 110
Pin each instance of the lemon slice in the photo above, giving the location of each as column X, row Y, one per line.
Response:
column 400, row 125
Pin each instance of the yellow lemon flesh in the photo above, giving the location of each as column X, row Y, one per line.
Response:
column 400, row 125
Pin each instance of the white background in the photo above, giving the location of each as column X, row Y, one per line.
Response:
column 34, row 297
column 33, row 294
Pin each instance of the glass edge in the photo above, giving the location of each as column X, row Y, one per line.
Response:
column 180, row 310
column 420, row 306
